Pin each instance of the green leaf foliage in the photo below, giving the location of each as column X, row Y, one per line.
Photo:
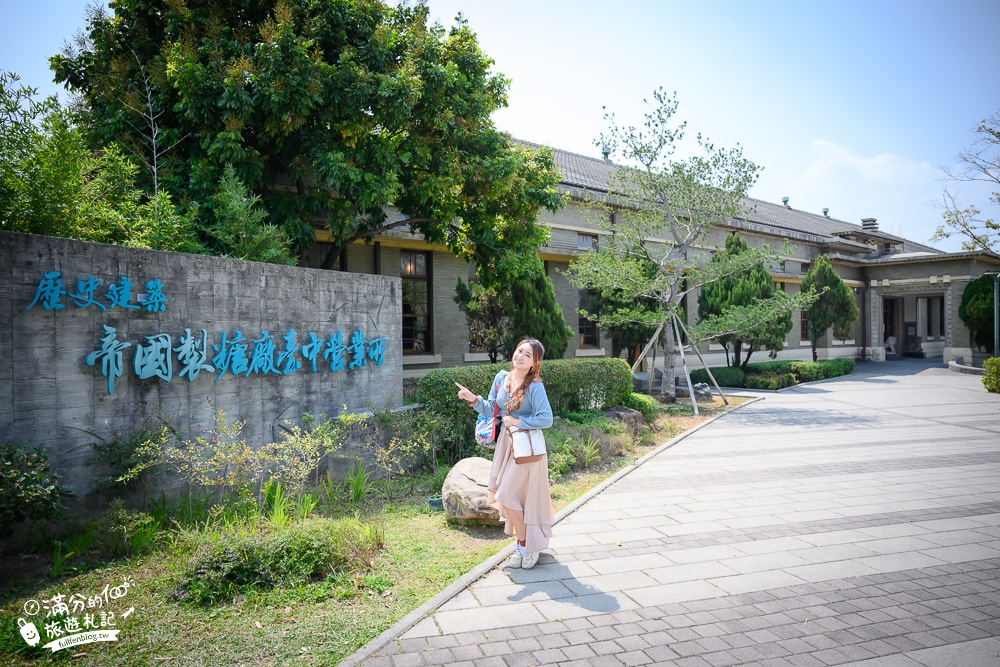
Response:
column 991, row 375
column 726, row 376
column 752, row 288
column 571, row 384
column 28, row 489
column 976, row 310
column 834, row 306
column 328, row 111
column 500, row 316
column 52, row 183
column 534, row 312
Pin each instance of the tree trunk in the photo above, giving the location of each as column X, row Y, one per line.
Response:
column 668, row 392
column 737, row 350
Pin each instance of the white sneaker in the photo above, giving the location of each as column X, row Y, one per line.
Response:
column 518, row 557
column 529, row 560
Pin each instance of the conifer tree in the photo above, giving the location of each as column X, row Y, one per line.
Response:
column 834, row 306
column 535, row 312
column 744, row 289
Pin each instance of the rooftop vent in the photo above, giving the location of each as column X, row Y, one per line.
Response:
column 606, row 152
column 869, row 224
column 784, row 200
column 826, row 213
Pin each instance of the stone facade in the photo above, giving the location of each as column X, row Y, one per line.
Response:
column 50, row 396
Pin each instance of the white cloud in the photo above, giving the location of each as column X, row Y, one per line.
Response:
column 899, row 192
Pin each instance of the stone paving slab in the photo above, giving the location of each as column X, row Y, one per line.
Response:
column 849, row 522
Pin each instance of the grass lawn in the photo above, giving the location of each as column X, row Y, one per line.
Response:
column 318, row 623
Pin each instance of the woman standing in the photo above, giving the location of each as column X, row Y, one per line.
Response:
column 519, row 491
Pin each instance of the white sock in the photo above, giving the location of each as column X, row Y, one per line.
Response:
column 520, row 550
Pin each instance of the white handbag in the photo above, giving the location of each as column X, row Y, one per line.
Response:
column 528, row 445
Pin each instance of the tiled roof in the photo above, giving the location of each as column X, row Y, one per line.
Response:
column 580, row 171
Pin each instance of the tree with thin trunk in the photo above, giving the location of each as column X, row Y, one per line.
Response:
column 979, row 163
column 657, row 212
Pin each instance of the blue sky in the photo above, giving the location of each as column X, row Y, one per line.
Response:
column 854, row 106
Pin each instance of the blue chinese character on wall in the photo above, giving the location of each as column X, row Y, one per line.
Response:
column 154, row 359
column 120, row 294
column 286, row 360
column 193, row 354
column 311, row 350
column 335, row 351
column 110, row 355
column 50, row 289
column 155, row 301
column 357, row 350
column 85, row 293
column 262, row 360
column 231, row 355
column 376, row 350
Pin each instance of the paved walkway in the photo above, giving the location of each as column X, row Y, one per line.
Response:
column 849, row 522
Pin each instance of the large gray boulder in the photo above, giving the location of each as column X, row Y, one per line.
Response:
column 464, row 493
column 631, row 419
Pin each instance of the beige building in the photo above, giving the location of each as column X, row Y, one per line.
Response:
column 908, row 293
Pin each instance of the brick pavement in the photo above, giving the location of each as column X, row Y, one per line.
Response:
column 850, row 522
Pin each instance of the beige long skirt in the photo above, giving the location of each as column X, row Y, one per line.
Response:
column 521, row 490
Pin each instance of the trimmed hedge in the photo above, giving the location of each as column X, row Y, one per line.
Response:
column 991, row 375
column 760, row 367
column 571, row 384
column 799, row 371
column 772, row 381
column 726, row 376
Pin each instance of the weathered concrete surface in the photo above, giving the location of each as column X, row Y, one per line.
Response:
column 49, row 396
column 849, row 522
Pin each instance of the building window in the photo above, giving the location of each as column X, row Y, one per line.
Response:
column 804, row 267
column 803, row 325
column 415, row 271
column 779, row 286
column 586, row 242
column 588, row 330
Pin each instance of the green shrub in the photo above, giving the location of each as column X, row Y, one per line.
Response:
column 841, row 366
column 991, row 375
column 726, row 376
column 647, row 405
column 771, row 381
column 121, row 532
column 28, row 489
column 809, row 371
column 132, row 456
column 775, row 367
column 235, row 564
column 571, row 384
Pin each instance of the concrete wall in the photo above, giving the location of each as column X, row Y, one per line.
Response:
column 50, row 396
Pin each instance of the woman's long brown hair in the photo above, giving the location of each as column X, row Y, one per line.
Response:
column 537, row 352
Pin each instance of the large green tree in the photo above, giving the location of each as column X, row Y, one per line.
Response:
column 744, row 289
column 52, row 183
column 658, row 212
column 329, row 111
column 979, row 163
column 834, row 305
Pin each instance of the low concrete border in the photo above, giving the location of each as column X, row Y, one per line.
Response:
column 959, row 368
column 404, row 624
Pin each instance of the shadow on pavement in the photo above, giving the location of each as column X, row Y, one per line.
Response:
column 584, row 595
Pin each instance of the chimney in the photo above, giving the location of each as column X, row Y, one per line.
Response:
column 784, row 200
column 826, row 213
column 606, row 152
column 869, row 224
